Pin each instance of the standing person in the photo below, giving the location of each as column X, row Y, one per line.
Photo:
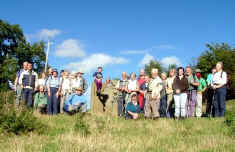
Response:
column 75, row 83
column 169, row 92
column 132, row 108
column 200, row 91
column 210, row 94
column 143, row 89
column 17, row 87
column 98, row 76
column 153, row 96
column 132, row 86
column 219, row 85
column 82, row 81
column 163, row 102
column 42, row 80
column 53, row 87
column 29, row 82
column 141, row 82
column 66, row 89
column 40, row 100
column 180, row 86
column 121, row 87
column 191, row 92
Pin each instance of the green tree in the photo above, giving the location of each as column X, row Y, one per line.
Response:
column 218, row 52
column 153, row 64
column 15, row 50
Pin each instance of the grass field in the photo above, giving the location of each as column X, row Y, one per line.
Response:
column 100, row 132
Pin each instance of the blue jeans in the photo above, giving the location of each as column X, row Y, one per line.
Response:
column 219, row 101
column 28, row 97
column 163, row 106
column 52, row 104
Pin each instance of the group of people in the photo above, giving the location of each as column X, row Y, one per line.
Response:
column 51, row 93
column 178, row 95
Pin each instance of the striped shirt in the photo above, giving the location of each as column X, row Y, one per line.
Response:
column 53, row 82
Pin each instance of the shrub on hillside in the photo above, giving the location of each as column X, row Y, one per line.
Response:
column 17, row 120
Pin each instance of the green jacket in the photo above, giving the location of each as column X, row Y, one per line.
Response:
column 39, row 98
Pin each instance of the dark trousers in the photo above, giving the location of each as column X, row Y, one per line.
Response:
column 28, row 97
column 209, row 104
column 219, row 101
column 163, row 106
column 121, row 104
column 52, row 104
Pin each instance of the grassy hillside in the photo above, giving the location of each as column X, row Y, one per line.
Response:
column 101, row 132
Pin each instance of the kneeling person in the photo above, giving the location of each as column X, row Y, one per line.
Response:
column 75, row 102
column 40, row 100
column 132, row 108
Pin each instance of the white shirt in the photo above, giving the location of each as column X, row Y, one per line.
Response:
column 76, row 83
column 66, row 84
column 42, row 82
column 132, row 84
column 155, row 86
column 217, row 79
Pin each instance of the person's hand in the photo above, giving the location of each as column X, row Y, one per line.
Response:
column 177, row 91
column 49, row 93
column 57, row 94
column 192, row 82
column 22, row 86
column 155, row 97
column 15, row 87
column 214, row 87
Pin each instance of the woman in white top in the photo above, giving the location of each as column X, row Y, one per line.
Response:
column 42, row 80
column 219, row 82
column 66, row 88
column 132, row 85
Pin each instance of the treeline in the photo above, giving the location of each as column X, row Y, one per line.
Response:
column 15, row 50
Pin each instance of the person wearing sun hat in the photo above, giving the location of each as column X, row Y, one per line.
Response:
column 81, row 80
column 76, row 102
column 132, row 108
column 200, row 90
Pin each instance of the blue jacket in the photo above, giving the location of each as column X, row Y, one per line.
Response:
column 73, row 100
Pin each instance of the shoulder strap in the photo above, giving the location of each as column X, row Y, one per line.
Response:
column 221, row 75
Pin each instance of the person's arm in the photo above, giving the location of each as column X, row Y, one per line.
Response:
column 20, row 80
column 85, row 86
column 48, row 87
column 16, row 80
column 36, row 81
column 195, row 82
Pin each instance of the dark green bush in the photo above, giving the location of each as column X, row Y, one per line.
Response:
column 18, row 120
column 81, row 126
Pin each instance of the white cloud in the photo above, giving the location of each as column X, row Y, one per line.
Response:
column 43, row 34
column 165, row 47
column 70, row 48
column 166, row 61
column 92, row 62
column 130, row 52
column 146, row 59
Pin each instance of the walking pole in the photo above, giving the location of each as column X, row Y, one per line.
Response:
column 47, row 54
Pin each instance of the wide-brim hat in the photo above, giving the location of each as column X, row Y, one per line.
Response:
column 81, row 71
column 198, row 71
column 133, row 94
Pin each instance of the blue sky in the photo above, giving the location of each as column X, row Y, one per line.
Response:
column 122, row 35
